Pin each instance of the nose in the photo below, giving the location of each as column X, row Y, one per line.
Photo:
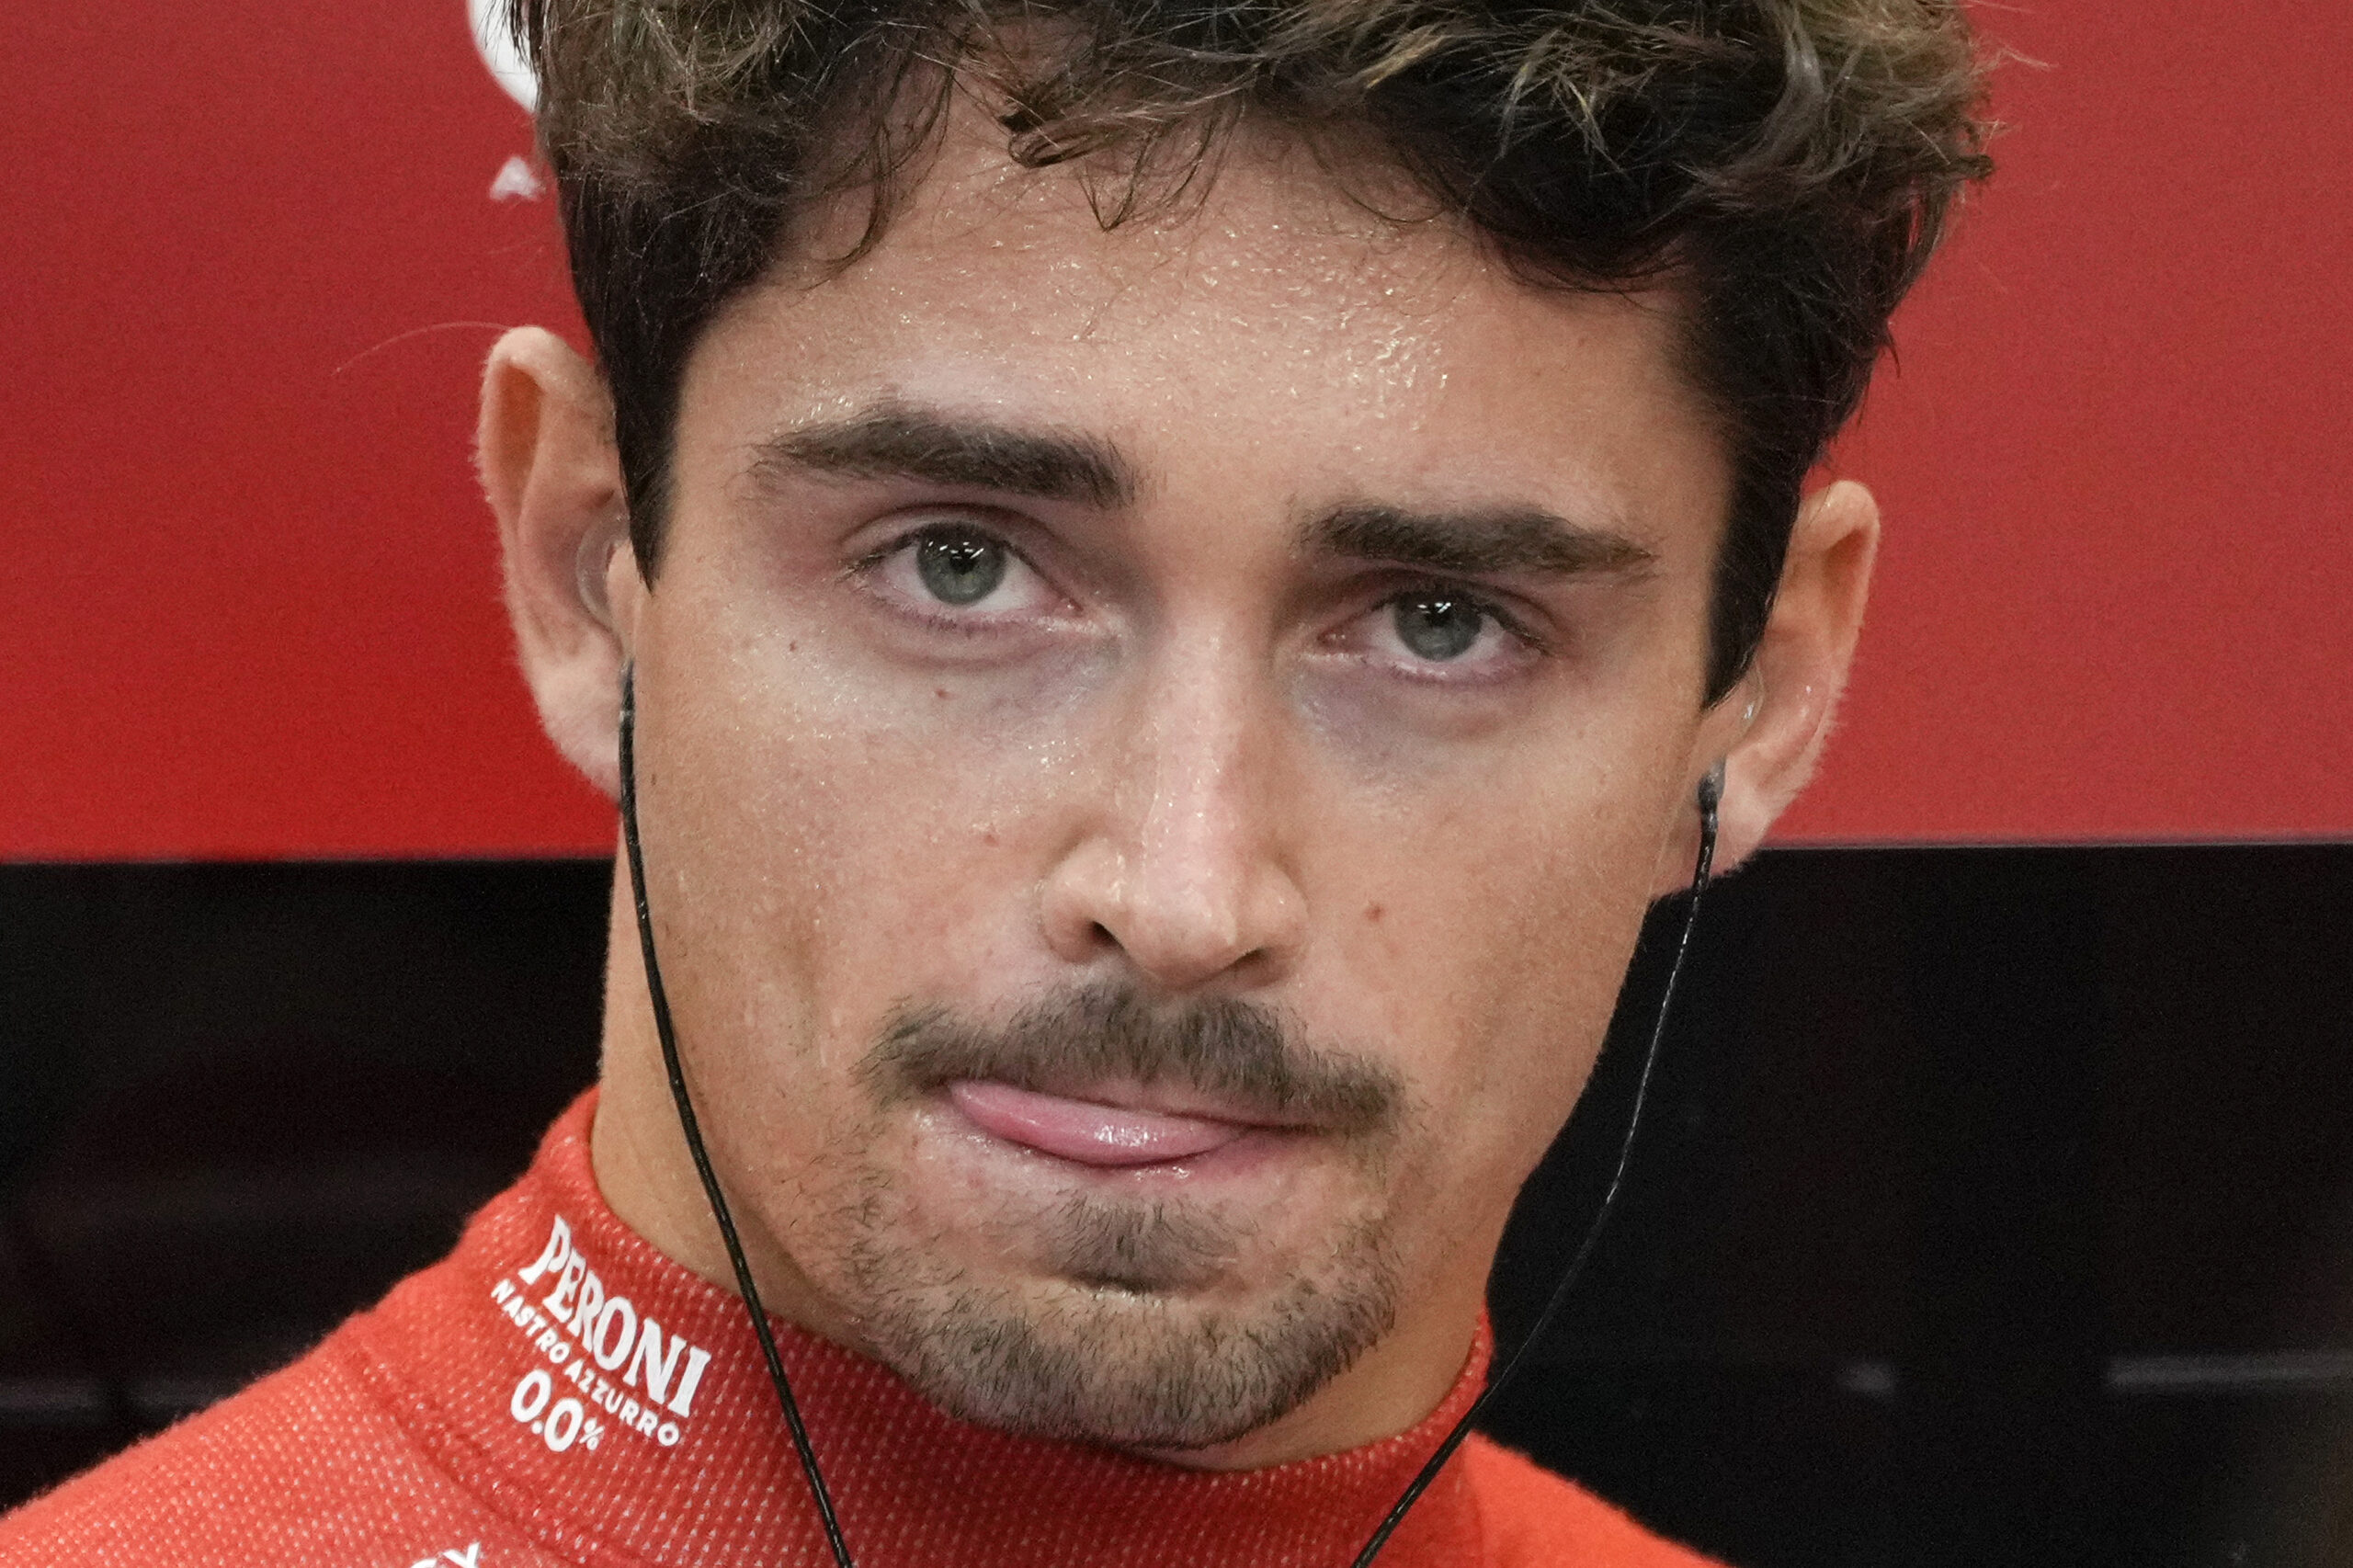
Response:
column 1182, row 868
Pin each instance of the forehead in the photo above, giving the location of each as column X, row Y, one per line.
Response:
column 1277, row 311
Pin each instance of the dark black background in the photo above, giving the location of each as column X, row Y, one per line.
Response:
column 1996, row 1205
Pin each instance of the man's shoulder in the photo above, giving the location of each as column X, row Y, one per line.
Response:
column 1532, row 1518
column 305, row 1466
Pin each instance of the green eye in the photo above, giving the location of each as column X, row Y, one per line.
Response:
column 960, row 568
column 1438, row 626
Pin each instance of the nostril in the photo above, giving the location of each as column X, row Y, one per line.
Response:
column 1102, row 936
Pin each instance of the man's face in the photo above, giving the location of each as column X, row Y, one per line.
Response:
column 1153, row 749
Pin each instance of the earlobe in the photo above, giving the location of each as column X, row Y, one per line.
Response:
column 553, row 481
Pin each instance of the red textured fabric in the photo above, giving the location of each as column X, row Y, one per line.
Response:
column 557, row 1392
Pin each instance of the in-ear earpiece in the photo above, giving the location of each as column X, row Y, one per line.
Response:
column 597, row 548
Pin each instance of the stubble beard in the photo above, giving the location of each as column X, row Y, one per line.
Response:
column 1091, row 1359
column 1129, row 1330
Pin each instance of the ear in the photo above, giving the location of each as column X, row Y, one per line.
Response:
column 1795, row 682
column 553, row 477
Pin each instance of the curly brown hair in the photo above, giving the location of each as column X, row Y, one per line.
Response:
column 1786, row 166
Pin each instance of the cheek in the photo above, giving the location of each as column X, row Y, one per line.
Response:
column 857, row 835
column 1488, row 942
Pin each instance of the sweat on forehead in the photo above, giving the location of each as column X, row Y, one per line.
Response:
column 1004, row 343
column 973, row 223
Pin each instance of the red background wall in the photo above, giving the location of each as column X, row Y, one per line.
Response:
column 249, row 266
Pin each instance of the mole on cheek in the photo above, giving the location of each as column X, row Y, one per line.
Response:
column 1372, row 913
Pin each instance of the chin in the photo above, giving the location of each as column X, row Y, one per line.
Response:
column 1131, row 1368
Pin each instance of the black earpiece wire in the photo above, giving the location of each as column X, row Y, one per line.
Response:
column 1711, row 790
column 693, row 1130
column 1710, row 797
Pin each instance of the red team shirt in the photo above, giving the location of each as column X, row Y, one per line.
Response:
column 556, row 1392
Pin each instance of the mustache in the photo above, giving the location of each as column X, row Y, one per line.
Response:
column 1240, row 1053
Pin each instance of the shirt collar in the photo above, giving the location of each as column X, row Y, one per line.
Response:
column 616, row 1404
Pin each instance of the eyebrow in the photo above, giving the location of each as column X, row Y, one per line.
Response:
column 1509, row 539
column 894, row 440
